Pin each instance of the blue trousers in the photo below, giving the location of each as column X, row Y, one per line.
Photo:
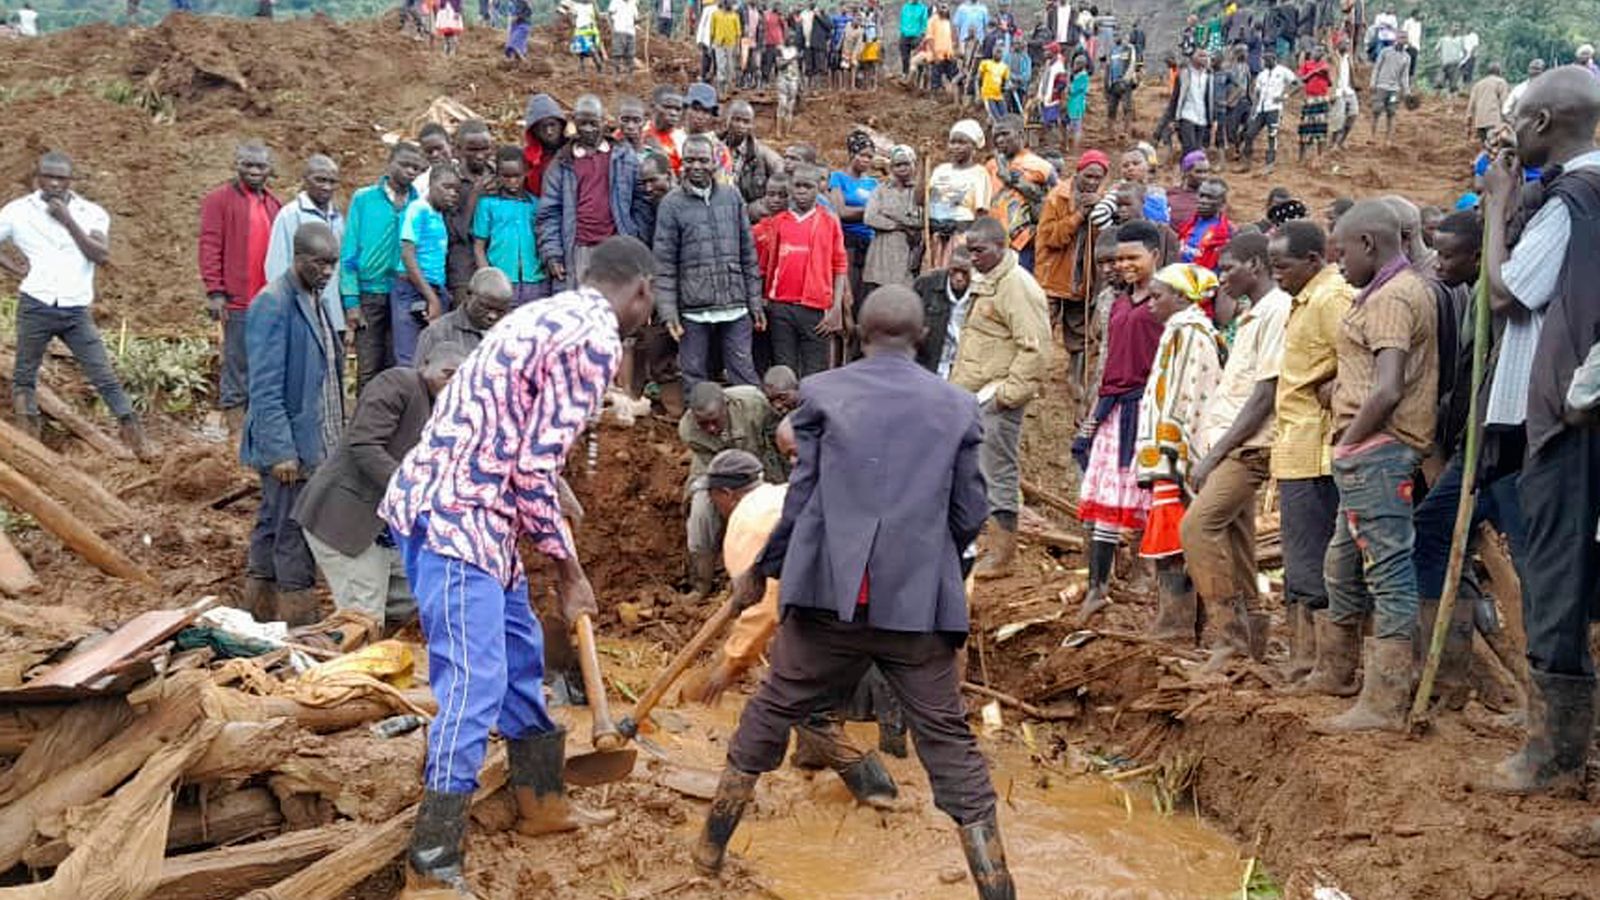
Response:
column 405, row 325
column 1435, row 519
column 1368, row 567
column 734, row 338
column 485, row 660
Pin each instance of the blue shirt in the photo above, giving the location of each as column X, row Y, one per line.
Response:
column 506, row 225
column 856, row 192
column 424, row 227
column 913, row 19
column 1480, row 167
column 971, row 20
column 1155, row 207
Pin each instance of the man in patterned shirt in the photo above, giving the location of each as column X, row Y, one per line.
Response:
column 483, row 475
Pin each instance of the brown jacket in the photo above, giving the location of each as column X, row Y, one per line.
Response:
column 1057, row 250
column 1006, row 337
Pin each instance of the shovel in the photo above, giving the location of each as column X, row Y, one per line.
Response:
column 629, row 726
column 610, row 761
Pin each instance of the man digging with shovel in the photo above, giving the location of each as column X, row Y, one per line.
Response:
column 483, row 474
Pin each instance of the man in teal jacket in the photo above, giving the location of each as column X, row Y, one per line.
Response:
column 372, row 253
column 913, row 26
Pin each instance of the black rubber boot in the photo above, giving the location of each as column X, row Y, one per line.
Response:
column 869, row 782
column 1338, row 655
column 1176, row 612
column 434, row 861
column 536, row 764
column 986, row 859
column 734, row 792
column 892, row 736
column 1561, row 724
column 1102, row 557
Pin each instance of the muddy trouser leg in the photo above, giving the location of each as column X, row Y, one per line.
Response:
column 1213, row 525
column 83, row 339
column 1271, row 119
column 37, row 325
column 374, row 344
column 233, row 389
column 1000, row 460
column 1309, row 511
column 1560, row 487
column 363, row 582
column 1369, row 567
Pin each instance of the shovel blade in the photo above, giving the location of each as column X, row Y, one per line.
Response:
column 600, row 767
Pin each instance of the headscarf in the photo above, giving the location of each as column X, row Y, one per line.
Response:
column 902, row 153
column 1149, row 152
column 1192, row 159
column 970, row 130
column 1193, row 282
column 1094, row 157
column 857, row 142
column 1286, row 211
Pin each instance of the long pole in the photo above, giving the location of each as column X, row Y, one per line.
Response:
column 1469, row 492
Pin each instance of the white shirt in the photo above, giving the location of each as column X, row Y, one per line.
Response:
column 58, row 272
column 1533, row 274
column 702, row 31
column 1063, row 22
column 1469, row 43
column 582, row 16
column 1192, row 105
column 1047, row 96
column 624, row 13
column 1256, row 356
column 1385, row 25
column 28, row 22
column 1513, row 98
column 1413, row 30
column 1341, row 83
column 1271, row 85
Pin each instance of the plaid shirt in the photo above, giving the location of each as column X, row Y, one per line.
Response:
column 485, row 469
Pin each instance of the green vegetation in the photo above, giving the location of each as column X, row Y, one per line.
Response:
column 170, row 375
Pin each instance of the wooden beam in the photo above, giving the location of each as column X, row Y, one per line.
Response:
column 72, row 531
column 228, row 872
column 84, row 494
column 243, row 749
column 16, row 576
column 78, row 732
column 51, row 404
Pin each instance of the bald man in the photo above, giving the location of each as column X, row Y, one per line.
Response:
column 1383, row 408
column 294, row 422
column 868, row 555
column 319, row 185
column 1545, row 289
column 486, row 300
column 235, row 228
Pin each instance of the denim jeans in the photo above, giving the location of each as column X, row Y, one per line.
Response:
column 405, row 325
column 278, row 550
column 374, row 341
column 1435, row 519
column 694, row 352
column 1368, row 567
column 233, row 388
column 37, row 324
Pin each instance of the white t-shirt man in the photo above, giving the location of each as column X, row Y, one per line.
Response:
column 1271, row 87
column 58, row 272
column 28, row 22
column 624, row 14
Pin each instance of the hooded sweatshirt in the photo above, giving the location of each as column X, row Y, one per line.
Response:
column 540, row 107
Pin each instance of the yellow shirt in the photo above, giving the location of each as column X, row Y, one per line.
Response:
column 992, row 79
column 1256, row 356
column 749, row 527
column 1310, row 357
column 725, row 28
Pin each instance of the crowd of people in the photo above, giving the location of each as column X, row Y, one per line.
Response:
column 858, row 349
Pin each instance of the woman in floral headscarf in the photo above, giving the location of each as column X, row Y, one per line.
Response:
column 895, row 216
column 1187, row 369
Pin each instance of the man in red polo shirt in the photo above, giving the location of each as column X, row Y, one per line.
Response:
column 806, row 284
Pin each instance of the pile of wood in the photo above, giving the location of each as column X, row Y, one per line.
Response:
column 180, row 787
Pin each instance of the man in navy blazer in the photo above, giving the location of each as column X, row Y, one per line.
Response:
column 884, row 496
column 293, row 422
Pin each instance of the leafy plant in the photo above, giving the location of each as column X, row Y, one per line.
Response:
column 172, row 375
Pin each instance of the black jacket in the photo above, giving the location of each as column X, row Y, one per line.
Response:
column 933, row 288
column 705, row 255
column 340, row 503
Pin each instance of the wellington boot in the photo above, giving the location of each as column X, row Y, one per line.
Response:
column 1260, row 630
column 1385, row 691
column 535, row 764
column 1176, row 610
column 1232, row 637
column 131, row 430
column 1000, row 560
column 1302, row 642
column 32, row 424
column 1451, row 686
column 434, row 861
column 260, row 598
column 1338, row 654
column 703, row 573
column 297, row 608
column 734, row 792
column 986, row 859
column 870, row 783
column 1560, row 727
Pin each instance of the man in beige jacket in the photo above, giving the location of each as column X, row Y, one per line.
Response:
column 1002, row 358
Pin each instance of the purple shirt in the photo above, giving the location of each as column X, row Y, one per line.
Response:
column 484, row 471
column 1132, row 337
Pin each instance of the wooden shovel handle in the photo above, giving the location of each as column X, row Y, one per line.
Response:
column 604, row 734
column 663, row 683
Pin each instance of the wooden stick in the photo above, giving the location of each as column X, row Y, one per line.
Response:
column 228, row 872
column 663, row 683
column 86, row 495
column 55, row 518
column 1022, row 706
column 1054, row 538
column 16, row 576
column 1049, row 498
column 1468, row 501
column 77, row 733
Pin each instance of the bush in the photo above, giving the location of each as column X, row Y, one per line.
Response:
column 171, row 375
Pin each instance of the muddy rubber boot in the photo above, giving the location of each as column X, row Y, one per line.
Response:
column 1176, row 609
column 535, row 764
column 1232, row 637
column 1260, row 629
column 32, row 424
column 892, row 734
column 1451, row 686
column 1302, row 642
column 1000, row 560
column 870, row 783
column 260, row 598
column 131, row 430
column 1561, row 724
column 1338, row 654
column 1102, row 558
column 297, row 608
column 734, row 791
column 702, row 573
column 986, row 859
column 1385, row 691
column 434, row 860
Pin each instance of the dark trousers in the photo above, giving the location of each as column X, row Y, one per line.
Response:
column 1435, row 518
column 815, row 656
column 1560, row 489
column 233, row 389
column 855, row 251
column 1308, row 509
column 405, row 324
column 278, row 549
column 1192, row 137
column 526, row 292
column 795, row 342
column 908, row 46
column 374, row 341
column 1267, row 121
column 664, row 26
column 694, row 352
column 37, row 324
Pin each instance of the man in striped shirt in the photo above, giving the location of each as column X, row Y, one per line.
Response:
column 484, row 474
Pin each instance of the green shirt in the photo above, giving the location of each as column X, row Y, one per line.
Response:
column 505, row 225
column 371, row 250
column 749, row 416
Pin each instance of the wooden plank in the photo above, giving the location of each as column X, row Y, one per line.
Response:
column 16, row 576
column 84, row 494
column 59, row 521
column 73, row 736
column 228, row 872
column 134, row 637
